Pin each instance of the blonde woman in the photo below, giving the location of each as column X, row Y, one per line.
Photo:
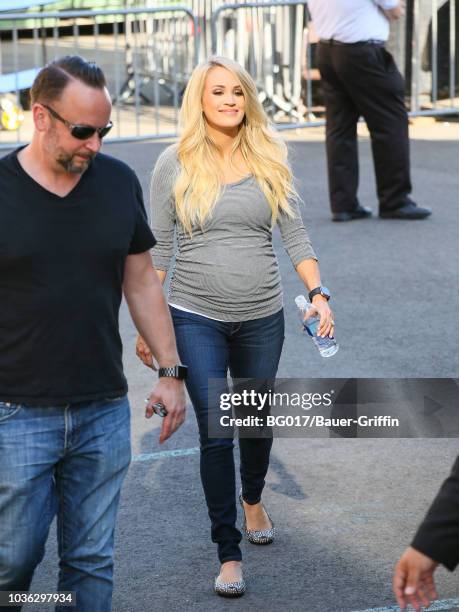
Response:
column 223, row 188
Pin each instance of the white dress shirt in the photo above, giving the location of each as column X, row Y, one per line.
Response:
column 351, row 21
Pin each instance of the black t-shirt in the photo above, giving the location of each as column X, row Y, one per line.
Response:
column 61, row 274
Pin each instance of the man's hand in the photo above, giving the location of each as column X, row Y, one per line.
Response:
column 413, row 580
column 171, row 393
column 397, row 12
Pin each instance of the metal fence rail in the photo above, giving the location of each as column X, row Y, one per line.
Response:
column 148, row 54
column 428, row 61
column 434, row 57
column 271, row 40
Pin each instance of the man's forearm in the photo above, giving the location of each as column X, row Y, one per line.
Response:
column 438, row 535
column 151, row 316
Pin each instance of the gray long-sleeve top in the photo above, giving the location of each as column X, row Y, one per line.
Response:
column 227, row 270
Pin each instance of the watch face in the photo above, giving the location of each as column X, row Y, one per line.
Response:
column 181, row 372
column 325, row 292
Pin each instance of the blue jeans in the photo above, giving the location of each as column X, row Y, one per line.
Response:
column 70, row 461
column 249, row 349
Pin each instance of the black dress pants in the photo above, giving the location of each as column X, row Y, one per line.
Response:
column 362, row 79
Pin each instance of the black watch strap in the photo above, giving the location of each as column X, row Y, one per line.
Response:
column 177, row 371
column 319, row 291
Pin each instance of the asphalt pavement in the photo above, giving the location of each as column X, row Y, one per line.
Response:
column 344, row 509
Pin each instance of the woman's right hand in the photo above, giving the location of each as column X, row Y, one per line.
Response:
column 143, row 353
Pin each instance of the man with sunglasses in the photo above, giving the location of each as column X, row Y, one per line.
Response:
column 73, row 237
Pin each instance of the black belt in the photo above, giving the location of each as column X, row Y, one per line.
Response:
column 338, row 43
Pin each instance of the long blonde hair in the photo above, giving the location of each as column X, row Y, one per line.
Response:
column 198, row 185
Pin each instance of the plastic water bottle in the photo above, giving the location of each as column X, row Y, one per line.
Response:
column 327, row 346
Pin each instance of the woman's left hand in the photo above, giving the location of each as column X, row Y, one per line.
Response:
column 327, row 322
column 144, row 354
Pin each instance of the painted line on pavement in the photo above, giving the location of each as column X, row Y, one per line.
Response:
column 444, row 604
column 179, row 452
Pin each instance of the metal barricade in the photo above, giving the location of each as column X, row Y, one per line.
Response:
column 434, row 61
column 147, row 55
column 272, row 41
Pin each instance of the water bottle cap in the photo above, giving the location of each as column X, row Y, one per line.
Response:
column 301, row 302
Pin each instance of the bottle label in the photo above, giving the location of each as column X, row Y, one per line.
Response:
column 311, row 327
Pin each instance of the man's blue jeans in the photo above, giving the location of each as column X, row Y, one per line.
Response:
column 249, row 349
column 70, row 461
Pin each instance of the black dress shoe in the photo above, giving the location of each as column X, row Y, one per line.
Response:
column 407, row 211
column 361, row 212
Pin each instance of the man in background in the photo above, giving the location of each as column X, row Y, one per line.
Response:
column 360, row 78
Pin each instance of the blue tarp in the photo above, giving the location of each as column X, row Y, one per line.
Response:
column 21, row 80
column 16, row 5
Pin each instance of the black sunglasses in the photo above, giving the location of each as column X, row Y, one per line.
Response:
column 80, row 131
